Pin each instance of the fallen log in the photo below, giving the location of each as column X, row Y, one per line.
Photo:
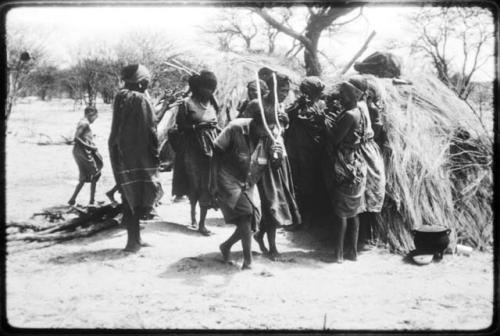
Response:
column 94, row 215
column 91, row 229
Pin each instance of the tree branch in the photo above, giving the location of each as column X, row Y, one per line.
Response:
column 290, row 32
column 360, row 51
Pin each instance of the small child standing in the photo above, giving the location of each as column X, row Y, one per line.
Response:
column 87, row 157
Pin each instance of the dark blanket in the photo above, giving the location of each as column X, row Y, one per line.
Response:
column 304, row 141
column 134, row 152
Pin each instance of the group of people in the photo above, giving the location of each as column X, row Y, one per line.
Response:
column 319, row 153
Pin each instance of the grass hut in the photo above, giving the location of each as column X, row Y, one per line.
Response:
column 438, row 165
column 438, row 155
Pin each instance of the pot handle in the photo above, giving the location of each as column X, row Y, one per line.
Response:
column 413, row 231
column 448, row 231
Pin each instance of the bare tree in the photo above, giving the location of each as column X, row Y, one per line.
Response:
column 271, row 33
column 318, row 19
column 234, row 23
column 24, row 54
column 445, row 30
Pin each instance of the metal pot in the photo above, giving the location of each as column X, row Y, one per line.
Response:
column 431, row 239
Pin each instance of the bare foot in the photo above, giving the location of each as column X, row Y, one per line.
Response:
column 226, row 253
column 259, row 238
column 274, row 255
column 351, row 255
column 111, row 196
column 132, row 247
column 203, row 230
column 246, row 266
column 145, row 244
column 339, row 258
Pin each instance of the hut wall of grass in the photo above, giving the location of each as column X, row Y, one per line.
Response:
column 438, row 159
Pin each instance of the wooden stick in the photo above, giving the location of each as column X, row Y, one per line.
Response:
column 261, row 108
column 275, row 87
column 178, row 68
column 184, row 66
column 359, row 53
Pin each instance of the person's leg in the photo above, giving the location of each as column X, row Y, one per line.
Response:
column 245, row 226
column 79, row 187
column 259, row 238
column 111, row 194
column 354, row 234
column 225, row 247
column 192, row 202
column 271, row 238
column 259, row 235
column 93, row 185
column 340, row 240
column 131, row 221
column 201, row 225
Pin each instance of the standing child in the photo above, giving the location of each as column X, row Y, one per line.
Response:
column 87, row 157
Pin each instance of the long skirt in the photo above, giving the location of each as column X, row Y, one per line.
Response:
column 277, row 197
column 191, row 169
column 89, row 163
column 373, row 197
column 197, row 168
column 345, row 175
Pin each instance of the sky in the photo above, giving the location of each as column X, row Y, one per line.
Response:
column 67, row 28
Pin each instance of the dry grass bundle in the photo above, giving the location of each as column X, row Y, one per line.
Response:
column 435, row 174
column 234, row 71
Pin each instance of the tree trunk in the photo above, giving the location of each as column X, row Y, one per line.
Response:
column 311, row 59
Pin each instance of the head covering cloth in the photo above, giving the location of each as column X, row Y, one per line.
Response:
column 312, row 86
column 135, row 73
column 264, row 90
column 90, row 110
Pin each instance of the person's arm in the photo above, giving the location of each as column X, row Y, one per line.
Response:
column 375, row 119
column 338, row 131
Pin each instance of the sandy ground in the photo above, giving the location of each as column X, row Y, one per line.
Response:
column 180, row 282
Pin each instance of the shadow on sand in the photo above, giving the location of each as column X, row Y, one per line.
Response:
column 193, row 269
column 172, row 227
column 89, row 256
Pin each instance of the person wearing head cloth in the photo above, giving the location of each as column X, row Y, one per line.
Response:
column 252, row 94
column 346, row 166
column 134, row 152
column 304, row 143
column 372, row 97
column 196, row 122
column 86, row 155
column 278, row 203
column 375, row 190
column 242, row 153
